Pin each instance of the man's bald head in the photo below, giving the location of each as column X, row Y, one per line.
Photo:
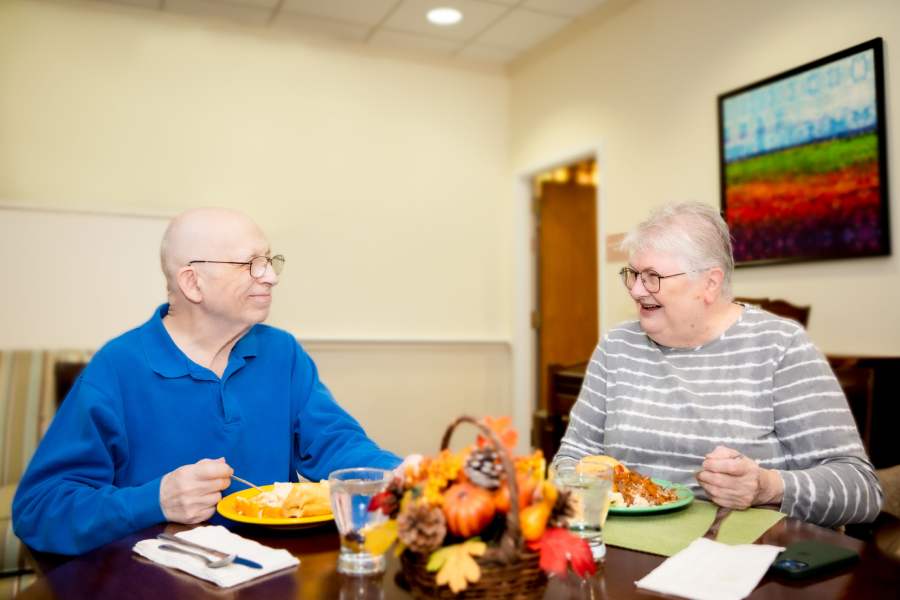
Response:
column 202, row 234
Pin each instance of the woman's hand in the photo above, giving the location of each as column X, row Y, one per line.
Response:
column 738, row 483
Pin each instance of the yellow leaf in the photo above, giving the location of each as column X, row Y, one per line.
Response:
column 380, row 537
column 400, row 548
column 459, row 568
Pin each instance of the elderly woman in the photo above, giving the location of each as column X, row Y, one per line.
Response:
column 699, row 380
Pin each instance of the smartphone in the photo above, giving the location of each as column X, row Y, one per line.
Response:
column 810, row 558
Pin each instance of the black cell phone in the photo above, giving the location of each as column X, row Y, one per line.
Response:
column 810, row 558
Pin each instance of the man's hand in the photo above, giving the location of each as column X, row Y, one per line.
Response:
column 189, row 494
column 738, row 483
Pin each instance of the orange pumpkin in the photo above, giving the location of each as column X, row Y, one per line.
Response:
column 468, row 509
column 526, row 492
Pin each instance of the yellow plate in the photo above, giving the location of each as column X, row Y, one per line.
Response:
column 227, row 509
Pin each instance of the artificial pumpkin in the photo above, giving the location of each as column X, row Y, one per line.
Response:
column 526, row 483
column 468, row 509
column 534, row 518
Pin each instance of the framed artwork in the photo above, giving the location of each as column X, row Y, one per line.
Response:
column 803, row 161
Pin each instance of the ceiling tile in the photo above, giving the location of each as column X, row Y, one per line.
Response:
column 567, row 8
column 350, row 32
column 410, row 16
column 152, row 4
column 365, row 12
column 401, row 39
column 219, row 10
column 488, row 53
column 522, row 29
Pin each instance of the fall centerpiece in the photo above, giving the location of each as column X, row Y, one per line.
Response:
column 479, row 523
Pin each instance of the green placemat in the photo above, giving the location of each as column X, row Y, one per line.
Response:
column 668, row 533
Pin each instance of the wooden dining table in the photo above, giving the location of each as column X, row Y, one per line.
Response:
column 114, row 571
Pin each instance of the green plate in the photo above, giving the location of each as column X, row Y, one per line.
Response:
column 685, row 497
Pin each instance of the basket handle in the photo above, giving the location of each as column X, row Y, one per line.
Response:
column 511, row 541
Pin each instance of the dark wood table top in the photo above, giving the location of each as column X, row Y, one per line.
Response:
column 114, row 572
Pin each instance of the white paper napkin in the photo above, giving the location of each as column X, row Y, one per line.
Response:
column 219, row 538
column 708, row 570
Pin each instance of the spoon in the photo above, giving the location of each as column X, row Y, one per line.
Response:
column 212, row 564
column 245, row 482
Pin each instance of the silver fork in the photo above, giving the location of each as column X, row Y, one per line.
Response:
column 212, row 564
column 684, row 477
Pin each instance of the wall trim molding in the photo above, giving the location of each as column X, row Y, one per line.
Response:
column 140, row 213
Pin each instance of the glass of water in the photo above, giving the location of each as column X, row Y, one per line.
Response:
column 591, row 485
column 351, row 493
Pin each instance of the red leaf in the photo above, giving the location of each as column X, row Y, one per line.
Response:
column 559, row 547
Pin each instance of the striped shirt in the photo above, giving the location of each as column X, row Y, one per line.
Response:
column 761, row 388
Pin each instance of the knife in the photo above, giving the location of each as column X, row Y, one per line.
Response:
column 238, row 560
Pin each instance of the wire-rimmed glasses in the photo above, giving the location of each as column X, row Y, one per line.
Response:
column 650, row 279
column 257, row 264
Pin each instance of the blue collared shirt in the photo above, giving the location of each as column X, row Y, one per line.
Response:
column 142, row 409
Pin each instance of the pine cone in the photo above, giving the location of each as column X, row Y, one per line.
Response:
column 564, row 509
column 484, row 469
column 421, row 528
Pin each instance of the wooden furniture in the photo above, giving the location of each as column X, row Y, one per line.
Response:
column 114, row 571
column 782, row 308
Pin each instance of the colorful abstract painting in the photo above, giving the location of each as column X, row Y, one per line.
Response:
column 803, row 162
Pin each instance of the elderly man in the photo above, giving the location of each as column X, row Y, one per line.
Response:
column 701, row 380
column 163, row 415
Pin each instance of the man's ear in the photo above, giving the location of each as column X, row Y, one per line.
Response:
column 714, row 280
column 189, row 284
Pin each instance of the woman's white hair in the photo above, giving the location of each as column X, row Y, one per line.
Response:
column 694, row 233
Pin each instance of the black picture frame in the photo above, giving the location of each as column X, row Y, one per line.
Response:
column 803, row 161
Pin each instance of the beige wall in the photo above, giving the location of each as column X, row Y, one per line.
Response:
column 382, row 179
column 645, row 83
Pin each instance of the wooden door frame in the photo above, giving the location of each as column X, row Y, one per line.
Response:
column 524, row 345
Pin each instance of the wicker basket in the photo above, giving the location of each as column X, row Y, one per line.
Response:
column 508, row 572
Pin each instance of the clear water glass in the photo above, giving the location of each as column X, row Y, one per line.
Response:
column 591, row 485
column 352, row 491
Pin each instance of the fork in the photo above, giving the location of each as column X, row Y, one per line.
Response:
column 683, row 477
column 212, row 564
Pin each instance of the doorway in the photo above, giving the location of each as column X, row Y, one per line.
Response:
column 566, row 314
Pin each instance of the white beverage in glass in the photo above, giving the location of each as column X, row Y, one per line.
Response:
column 592, row 492
column 352, row 491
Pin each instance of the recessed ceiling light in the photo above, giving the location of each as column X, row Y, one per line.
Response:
column 444, row 16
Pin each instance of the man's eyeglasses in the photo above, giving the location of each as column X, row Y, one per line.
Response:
column 257, row 264
column 649, row 278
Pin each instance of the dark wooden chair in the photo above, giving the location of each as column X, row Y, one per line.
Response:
column 782, row 308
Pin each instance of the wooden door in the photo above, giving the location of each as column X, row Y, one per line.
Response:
column 566, row 319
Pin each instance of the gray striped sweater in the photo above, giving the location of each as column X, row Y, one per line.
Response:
column 761, row 388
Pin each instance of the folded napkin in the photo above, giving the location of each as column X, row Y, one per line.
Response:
column 218, row 538
column 708, row 570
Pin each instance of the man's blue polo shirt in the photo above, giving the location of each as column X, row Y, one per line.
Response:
column 142, row 409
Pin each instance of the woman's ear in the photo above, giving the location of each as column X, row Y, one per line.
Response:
column 714, row 280
column 189, row 284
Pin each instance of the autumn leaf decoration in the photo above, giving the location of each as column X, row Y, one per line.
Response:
column 559, row 547
column 502, row 426
column 455, row 565
column 380, row 538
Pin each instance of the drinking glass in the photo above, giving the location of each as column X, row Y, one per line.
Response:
column 591, row 485
column 351, row 493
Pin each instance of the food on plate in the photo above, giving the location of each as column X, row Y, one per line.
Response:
column 635, row 489
column 307, row 500
column 630, row 488
column 287, row 500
